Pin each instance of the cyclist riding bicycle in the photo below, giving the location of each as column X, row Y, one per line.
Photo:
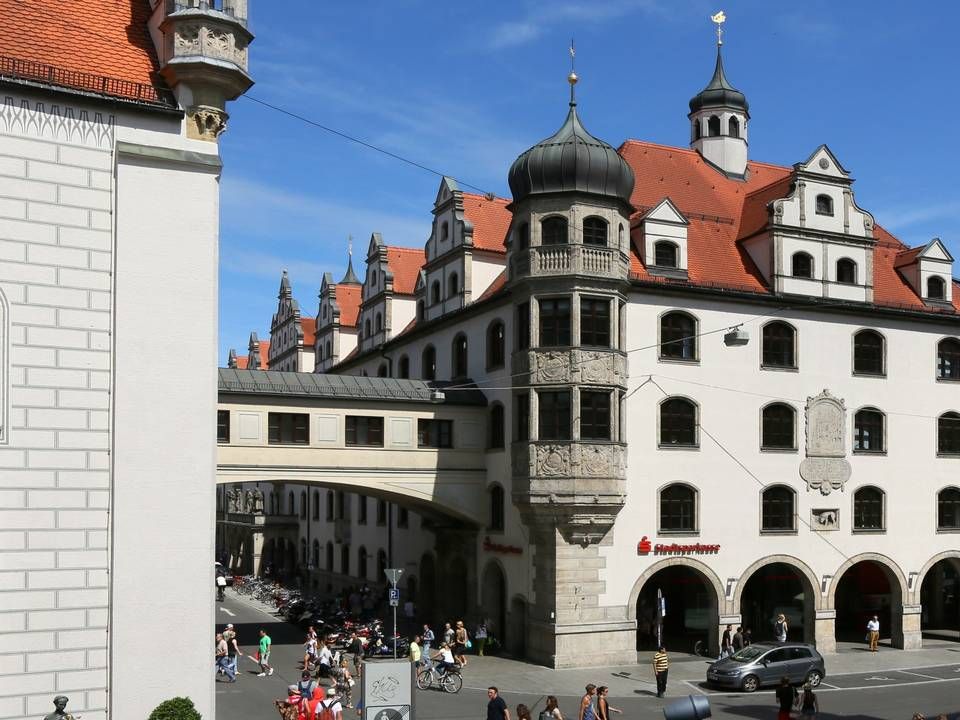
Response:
column 445, row 657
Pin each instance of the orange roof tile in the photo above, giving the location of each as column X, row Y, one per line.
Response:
column 242, row 362
column 889, row 286
column 490, row 219
column 348, row 299
column 104, row 38
column 405, row 264
column 309, row 326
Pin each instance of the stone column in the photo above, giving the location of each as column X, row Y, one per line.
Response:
column 824, row 631
column 906, row 633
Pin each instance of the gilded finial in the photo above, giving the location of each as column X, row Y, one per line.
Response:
column 572, row 77
column 720, row 18
column 350, row 245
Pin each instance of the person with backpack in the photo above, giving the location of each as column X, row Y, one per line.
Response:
column 809, row 705
column 307, row 687
column 551, row 711
column 329, row 708
column 781, row 628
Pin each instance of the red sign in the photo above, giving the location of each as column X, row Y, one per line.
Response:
column 498, row 548
column 645, row 547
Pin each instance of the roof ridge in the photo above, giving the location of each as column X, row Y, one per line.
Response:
column 691, row 151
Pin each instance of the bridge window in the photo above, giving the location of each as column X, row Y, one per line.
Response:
column 496, row 508
column 429, row 363
column 496, row 350
column 345, row 559
column 595, row 231
column 554, row 415
column 595, row 415
column 364, row 430
column 361, row 509
column 381, row 563
column 554, row 322
column 316, row 506
column 522, row 405
column 523, row 326
column 288, row 428
column 496, row 426
column 223, row 426
column 595, row 322
column 435, row 433
column 362, row 563
column 329, row 505
column 403, row 517
column 678, row 509
column 381, row 512
column 329, row 556
column 460, row 356
column 553, row 231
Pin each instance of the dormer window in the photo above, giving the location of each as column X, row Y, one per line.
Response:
column 802, row 265
column 553, row 231
column 824, row 205
column 936, row 288
column 323, row 312
column 435, row 292
column 665, row 254
column 373, row 278
column 713, row 126
column 453, row 285
column 444, row 232
column 379, row 322
column 846, row 271
column 733, row 127
column 595, row 231
column 366, row 327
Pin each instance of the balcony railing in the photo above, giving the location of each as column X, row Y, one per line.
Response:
column 235, row 8
column 576, row 259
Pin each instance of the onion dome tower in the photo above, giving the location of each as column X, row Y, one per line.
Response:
column 718, row 120
column 568, row 264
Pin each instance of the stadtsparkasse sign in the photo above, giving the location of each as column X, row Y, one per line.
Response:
column 645, row 547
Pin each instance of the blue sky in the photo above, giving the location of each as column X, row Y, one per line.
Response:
column 465, row 87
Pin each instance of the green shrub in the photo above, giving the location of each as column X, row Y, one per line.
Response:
column 179, row 708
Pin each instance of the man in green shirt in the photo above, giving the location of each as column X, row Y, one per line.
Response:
column 263, row 657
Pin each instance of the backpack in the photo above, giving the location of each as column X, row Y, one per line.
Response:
column 307, row 689
column 324, row 711
column 547, row 715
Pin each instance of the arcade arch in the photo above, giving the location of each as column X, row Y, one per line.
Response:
column 774, row 585
column 939, row 596
column 866, row 585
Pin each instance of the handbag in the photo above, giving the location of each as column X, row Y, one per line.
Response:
column 468, row 644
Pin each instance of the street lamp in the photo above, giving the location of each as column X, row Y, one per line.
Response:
column 393, row 575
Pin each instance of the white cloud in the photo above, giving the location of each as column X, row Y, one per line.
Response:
column 910, row 215
column 517, row 32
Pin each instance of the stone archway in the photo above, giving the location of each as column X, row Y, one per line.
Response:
column 778, row 584
column 493, row 590
column 937, row 587
column 517, row 627
column 872, row 584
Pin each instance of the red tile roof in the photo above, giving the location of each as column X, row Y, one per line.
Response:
column 889, row 286
column 101, row 38
column 405, row 264
column 244, row 360
column 348, row 299
column 309, row 326
column 491, row 221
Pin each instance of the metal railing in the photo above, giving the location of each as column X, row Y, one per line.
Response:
column 236, row 9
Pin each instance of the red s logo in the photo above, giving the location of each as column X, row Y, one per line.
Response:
column 644, row 547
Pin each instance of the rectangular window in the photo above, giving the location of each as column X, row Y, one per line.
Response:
column 288, row 428
column 223, row 426
column 435, row 433
column 523, row 417
column 595, row 322
column 554, row 415
column 523, row 326
column 363, row 430
column 554, row 322
column 595, row 415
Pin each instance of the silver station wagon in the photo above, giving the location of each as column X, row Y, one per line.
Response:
column 765, row 664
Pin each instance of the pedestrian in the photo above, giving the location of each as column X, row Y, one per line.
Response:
column 355, row 648
column 780, row 628
column 586, row 703
column 221, row 586
column 604, row 708
column 343, row 682
column 329, row 708
column 223, row 659
column 661, row 666
column 726, row 643
column 324, row 660
column 415, row 651
column 233, row 650
column 737, row 640
column 496, row 706
column 462, row 642
column 481, row 636
column 747, row 637
column 263, row 654
column 809, row 706
column 448, row 634
column 523, row 712
column 428, row 638
column 873, row 633
column 310, row 651
column 551, row 711
column 289, row 708
column 786, row 696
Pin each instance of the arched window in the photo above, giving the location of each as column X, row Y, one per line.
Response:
column 403, row 367
column 678, row 336
column 868, row 509
column 868, row 431
column 315, row 555
column 362, row 563
column 378, row 325
column 327, row 353
column 868, row 353
column 948, row 359
column 445, row 231
column 678, row 509
column 824, row 205
column 665, row 254
column 323, row 312
column 329, row 556
column 779, row 345
column 459, row 351
column 846, row 271
column 382, row 370
column 381, row 563
column 733, row 127
column 435, row 292
column 420, row 310
column 496, row 426
column 948, row 434
column 553, row 230
column 316, row 505
column 496, row 508
column 291, row 504
column 595, row 231
column 453, row 285
column 429, row 363
column 523, row 236
column 366, row 328
column 678, row 423
column 802, row 265
column 496, row 345
column 713, row 126
column 697, row 129
column 936, row 288
column 948, row 509
column 321, row 354
column 329, row 505
column 779, row 422
column 345, row 559
column 373, row 275
column 777, row 510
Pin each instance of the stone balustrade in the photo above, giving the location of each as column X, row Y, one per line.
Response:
column 573, row 259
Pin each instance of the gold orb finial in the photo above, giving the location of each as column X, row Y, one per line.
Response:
column 572, row 78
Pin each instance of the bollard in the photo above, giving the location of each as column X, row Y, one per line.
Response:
column 692, row 707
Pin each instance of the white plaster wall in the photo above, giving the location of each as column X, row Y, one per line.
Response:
column 486, row 268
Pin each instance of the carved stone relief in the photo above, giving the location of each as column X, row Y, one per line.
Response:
column 825, row 467
column 601, row 460
column 206, row 123
column 825, row 519
column 599, row 367
column 553, row 460
column 553, row 366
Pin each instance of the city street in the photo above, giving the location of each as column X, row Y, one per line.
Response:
column 922, row 681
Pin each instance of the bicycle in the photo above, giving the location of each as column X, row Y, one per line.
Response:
column 449, row 681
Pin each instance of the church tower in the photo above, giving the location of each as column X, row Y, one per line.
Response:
column 718, row 119
column 568, row 265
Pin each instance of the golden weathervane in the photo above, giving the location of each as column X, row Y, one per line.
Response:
column 719, row 19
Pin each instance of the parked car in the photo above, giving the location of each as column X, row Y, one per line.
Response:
column 221, row 570
column 765, row 664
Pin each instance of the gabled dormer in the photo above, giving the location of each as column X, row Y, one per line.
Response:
column 258, row 352
column 929, row 271
column 387, row 296
column 291, row 338
column 663, row 240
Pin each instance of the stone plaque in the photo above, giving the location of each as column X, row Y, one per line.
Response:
column 825, row 519
column 825, row 467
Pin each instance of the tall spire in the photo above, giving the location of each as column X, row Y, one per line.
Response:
column 285, row 290
column 719, row 93
column 350, row 277
column 572, row 77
